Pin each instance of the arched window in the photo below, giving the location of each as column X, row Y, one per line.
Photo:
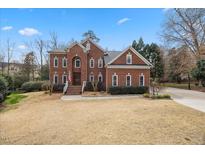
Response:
column 55, row 78
column 64, row 62
column 91, row 77
column 128, row 80
column 129, row 58
column 100, row 77
column 100, row 63
column 77, row 63
column 55, row 61
column 141, row 80
column 64, row 78
column 92, row 63
column 114, row 80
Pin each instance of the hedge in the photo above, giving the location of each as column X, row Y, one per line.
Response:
column 32, row 86
column 3, row 88
column 128, row 90
column 58, row 87
column 89, row 86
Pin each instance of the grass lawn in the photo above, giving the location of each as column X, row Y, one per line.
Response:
column 14, row 98
column 44, row 119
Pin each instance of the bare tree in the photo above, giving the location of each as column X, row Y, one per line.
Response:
column 9, row 47
column 53, row 42
column 2, row 56
column 40, row 47
column 186, row 27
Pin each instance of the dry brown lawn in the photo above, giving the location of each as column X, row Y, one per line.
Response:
column 43, row 119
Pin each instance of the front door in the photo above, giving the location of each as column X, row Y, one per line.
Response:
column 76, row 78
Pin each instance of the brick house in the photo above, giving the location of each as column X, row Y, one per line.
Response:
column 87, row 61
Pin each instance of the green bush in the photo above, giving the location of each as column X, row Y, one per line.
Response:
column 32, row 86
column 58, row 87
column 89, row 87
column 128, row 90
column 100, row 86
column 3, row 88
column 165, row 96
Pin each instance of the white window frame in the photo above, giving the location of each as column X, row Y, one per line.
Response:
column 92, row 59
column 91, row 76
column 79, row 63
column 100, row 75
column 141, row 75
column 55, row 75
column 100, row 61
column 130, row 80
column 64, row 59
column 129, row 55
column 55, row 58
column 64, row 75
column 113, row 80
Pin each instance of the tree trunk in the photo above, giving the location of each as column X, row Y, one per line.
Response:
column 189, row 82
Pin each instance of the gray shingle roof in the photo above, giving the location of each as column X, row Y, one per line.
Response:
column 110, row 55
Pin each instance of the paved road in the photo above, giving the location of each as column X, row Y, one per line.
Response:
column 190, row 98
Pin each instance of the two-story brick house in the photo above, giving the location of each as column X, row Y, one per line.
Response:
column 87, row 61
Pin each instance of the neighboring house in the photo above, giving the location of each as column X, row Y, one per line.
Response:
column 14, row 68
column 87, row 61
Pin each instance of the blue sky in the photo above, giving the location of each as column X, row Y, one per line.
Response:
column 116, row 28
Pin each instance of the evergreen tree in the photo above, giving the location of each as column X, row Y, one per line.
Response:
column 139, row 46
column 91, row 35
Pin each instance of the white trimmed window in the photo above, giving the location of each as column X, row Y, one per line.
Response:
column 92, row 63
column 128, row 80
column 64, row 62
column 55, row 78
column 77, row 63
column 100, row 77
column 55, row 62
column 141, row 80
column 100, row 63
column 114, row 80
column 129, row 58
column 91, row 77
column 64, row 78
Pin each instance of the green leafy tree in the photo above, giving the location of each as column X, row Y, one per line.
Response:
column 91, row 35
column 199, row 72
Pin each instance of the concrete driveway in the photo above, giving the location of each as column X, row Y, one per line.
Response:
column 190, row 98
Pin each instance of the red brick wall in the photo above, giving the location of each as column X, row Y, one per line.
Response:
column 59, row 70
column 122, row 58
column 122, row 76
column 95, row 53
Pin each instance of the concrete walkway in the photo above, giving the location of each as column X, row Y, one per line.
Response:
column 190, row 98
column 79, row 97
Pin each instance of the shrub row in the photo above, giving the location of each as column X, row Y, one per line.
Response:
column 32, row 86
column 90, row 87
column 128, row 90
column 164, row 96
column 3, row 88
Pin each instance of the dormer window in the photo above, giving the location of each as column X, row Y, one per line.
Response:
column 92, row 62
column 129, row 58
column 77, row 63
column 55, row 62
column 100, row 63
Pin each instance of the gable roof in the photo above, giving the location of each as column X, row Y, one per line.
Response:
column 88, row 39
column 76, row 43
column 134, row 51
column 110, row 55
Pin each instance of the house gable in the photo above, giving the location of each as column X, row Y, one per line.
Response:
column 137, row 58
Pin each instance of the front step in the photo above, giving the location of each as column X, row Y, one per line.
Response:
column 74, row 90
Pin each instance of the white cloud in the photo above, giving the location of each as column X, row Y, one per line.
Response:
column 22, row 47
column 29, row 32
column 123, row 20
column 6, row 28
